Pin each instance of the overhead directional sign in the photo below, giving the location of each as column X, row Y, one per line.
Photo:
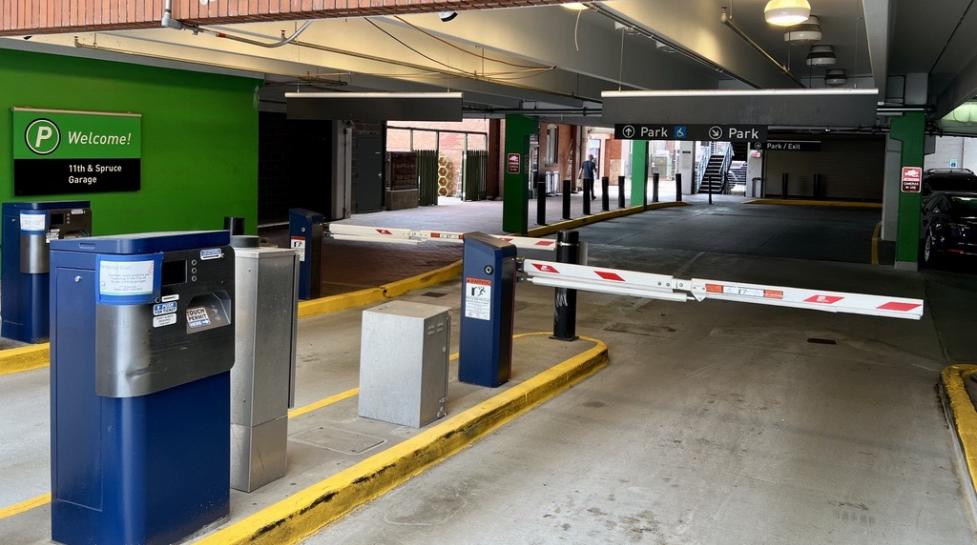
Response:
column 714, row 133
column 793, row 145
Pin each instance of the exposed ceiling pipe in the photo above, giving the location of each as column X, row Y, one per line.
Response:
column 168, row 21
column 648, row 33
column 727, row 20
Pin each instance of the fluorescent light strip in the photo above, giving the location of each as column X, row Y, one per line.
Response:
column 373, row 95
column 738, row 93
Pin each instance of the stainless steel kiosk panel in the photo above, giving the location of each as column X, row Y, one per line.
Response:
column 263, row 377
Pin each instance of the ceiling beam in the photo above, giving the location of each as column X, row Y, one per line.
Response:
column 18, row 17
column 696, row 26
column 878, row 26
column 961, row 89
column 583, row 42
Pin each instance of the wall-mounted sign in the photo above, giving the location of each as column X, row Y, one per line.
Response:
column 793, row 145
column 58, row 152
column 715, row 133
column 912, row 179
column 513, row 163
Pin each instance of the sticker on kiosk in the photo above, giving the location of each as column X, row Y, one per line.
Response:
column 33, row 221
column 478, row 298
column 129, row 279
column 298, row 243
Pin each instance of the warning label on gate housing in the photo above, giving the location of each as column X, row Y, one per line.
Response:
column 478, row 298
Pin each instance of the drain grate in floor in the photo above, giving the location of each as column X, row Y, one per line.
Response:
column 433, row 294
column 819, row 340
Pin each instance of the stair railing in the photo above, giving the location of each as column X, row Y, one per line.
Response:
column 724, row 171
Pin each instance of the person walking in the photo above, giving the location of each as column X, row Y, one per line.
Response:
column 588, row 171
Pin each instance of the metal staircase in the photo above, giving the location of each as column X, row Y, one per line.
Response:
column 714, row 177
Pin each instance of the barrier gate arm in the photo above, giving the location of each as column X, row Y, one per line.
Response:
column 396, row 235
column 659, row 286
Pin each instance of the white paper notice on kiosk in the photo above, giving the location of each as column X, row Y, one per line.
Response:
column 478, row 298
column 125, row 277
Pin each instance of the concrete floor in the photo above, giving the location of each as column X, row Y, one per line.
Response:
column 717, row 423
column 320, row 443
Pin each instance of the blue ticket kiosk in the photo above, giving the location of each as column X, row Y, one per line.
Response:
column 28, row 228
column 305, row 235
column 488, row 295
column 142, row 343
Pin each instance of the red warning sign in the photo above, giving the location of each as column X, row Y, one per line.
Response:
column 912, row 179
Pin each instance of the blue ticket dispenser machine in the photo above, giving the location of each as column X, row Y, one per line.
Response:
column 305, row 235
column 488, row 298
column 142, row 344
column 28, row 228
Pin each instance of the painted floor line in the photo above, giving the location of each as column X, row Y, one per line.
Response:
column 44, row 499
column 815, row 202
column 295, row 518
column 26, row 505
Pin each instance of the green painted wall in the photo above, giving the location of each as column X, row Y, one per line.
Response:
column 515, row 200
column 910, row 129
column 199, row 138
column 639, row 171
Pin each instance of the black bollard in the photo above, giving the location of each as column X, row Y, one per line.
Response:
column 605, row 199
column 540, row 201
column 234, row 224
column 644, row 196
column 588, row 191
column 567, row 188
column 654, row 187
column 678, row 187
column 565, row 300
column 783, row 185
column 621, row 180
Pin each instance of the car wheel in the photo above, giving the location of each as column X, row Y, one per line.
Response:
column 929, row 250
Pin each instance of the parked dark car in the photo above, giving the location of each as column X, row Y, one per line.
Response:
column 949, row 224
column 948, row 179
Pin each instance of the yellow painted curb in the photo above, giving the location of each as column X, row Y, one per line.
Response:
column 369, row 296
column 600, row 216
column 302, row 514
column 875, row 243
column 25, row 505
column 24, row 358
column 423, row 280
column 812, row 202
column 964, row 413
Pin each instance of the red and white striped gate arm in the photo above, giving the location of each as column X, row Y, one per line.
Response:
column 613, row 281
column 825, row 301
column 397, row 235
column 657, row 286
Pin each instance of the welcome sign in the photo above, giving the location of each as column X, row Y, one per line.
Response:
column 59, row 151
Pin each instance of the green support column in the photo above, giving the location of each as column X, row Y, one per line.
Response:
column 515, row 200
column 910, row 129
column 639, row 171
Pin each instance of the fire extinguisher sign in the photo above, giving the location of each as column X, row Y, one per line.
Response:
column 478, row 298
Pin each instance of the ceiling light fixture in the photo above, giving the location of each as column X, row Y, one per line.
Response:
column 787, row 12
column 575, row 6
column 446, row 16
column 835, row 77
column 808, row 32
column 821, row 55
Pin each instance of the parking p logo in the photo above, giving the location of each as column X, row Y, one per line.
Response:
column 42, row 136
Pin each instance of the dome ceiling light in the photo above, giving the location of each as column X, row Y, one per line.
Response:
column 808, row 32
column 787, row 12
column 821, row 55
column 835, row 77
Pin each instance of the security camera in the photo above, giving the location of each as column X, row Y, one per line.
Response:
column 447, row 15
